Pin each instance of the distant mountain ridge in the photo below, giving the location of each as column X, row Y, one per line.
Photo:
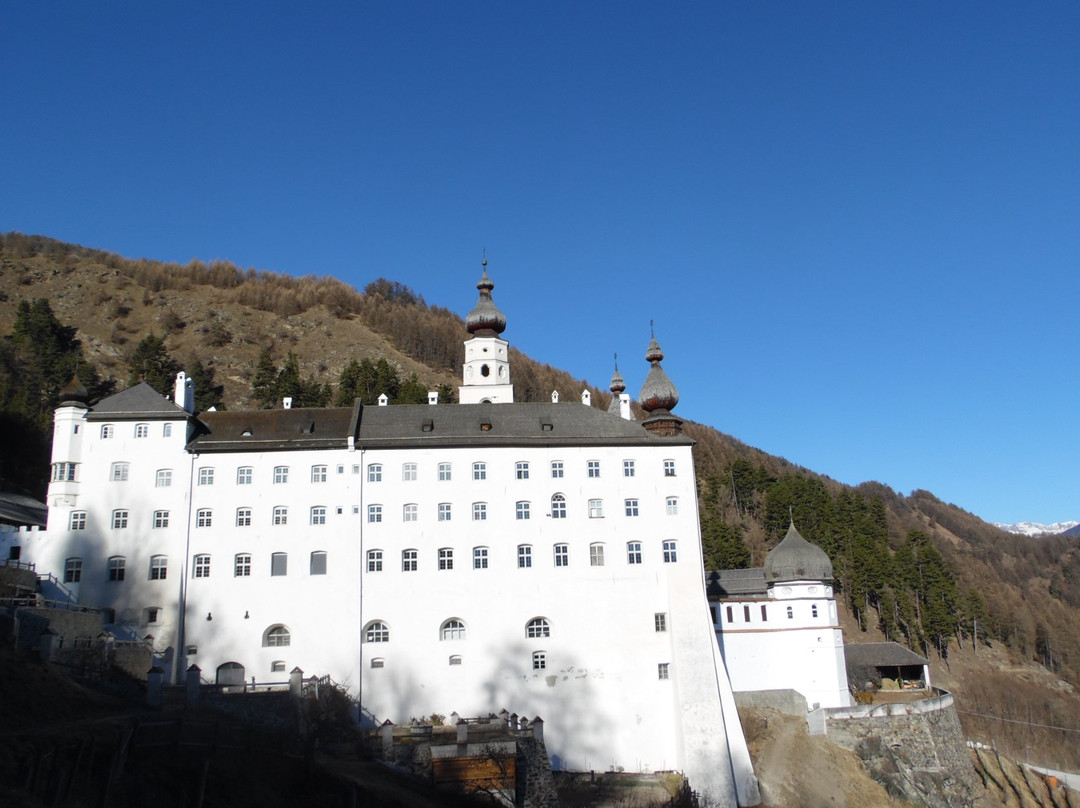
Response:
column 1036, row 529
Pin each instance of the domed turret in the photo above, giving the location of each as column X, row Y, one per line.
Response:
column 796, row 559
column 73, row 394
column 658, row 395
column 485, row 319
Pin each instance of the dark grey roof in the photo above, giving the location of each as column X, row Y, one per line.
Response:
column 796, row 559
column 20, row 509
column 875, row 654
column 722, row 584
column 421, row 425
column 138, row 402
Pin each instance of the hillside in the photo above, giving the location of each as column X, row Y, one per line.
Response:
column 910, row 568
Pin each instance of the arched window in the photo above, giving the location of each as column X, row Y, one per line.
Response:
column 377, row 632
column 538, row 627
column 452, row 629
column 277, row 637
column 558, row 507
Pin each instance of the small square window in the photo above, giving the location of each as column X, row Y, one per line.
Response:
column 593, row 467
column 206, row 476
column 556, row 469
column 161, row 519
column 521, row 470
column 281, row 516
column 163, row 479
column 159, row 568
column 378, row 662
column 106, row 431
column 374, row 513
column 596, row 508
column 318, row 474
column 277, row 666
column 410, row 512
column 631, row 507
column 243, row 475
column 119, row 520
column 455, row 659
column 243, row 517
column 408, row 472
column 204, row 517
column 374, row 473
column 142, row 430
column 281, row 474
column 444, row 511
column 444, row 472
column 318, row 516
column 78, row 520
column 119, row 473
column 479, row 471
column 522, row 510
column 374, row 561
column 539, row 660
column 242, row 566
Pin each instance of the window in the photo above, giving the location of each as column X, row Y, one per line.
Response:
column 374, row 560
column 746, row 614
column 790, row 613
column 119, row 520
column 78, row 520
column 672, row 504
column 444, row 472
column 596, row 508
column 446, row 558
column 408, row 472
column 539, row 660
column 277, row 666
column 279, row 564
column 521, row 470
column 63, row 472
column 813, row 610
column 106, row 431
column 242, row 565
column 72, row 570
column 356, row 469
column 281, row 474
column 318, row 515
column 633, row 552
column 660, row 622
column 593, row 467
column 142, row 430
column 455, row 659
column 374, row 513
column 538, row 627
column 524, row 556
column 730, row 616
column 556, row 469
column 480, row 558
column 408, row 560
column 204, row 517
column 669, row 468
column 281, row 516
column 374, row 473
column 631, row 507
column 452, row 629
column 206, row 476
column 277, row 637
column 409, row 513
column 377, row 632
column 163, row 478
column 764, row 614
column 340, row 469
column 243, row 475
column 562, row 555
column 378, row 662
column 166, row 430
column 479, row 511
column 119, row 473
column 662, row 670
column 161, row 518
column 318, row 474
column 201, row 566
column 479, row 471
column 558, row 507
column 159, row 567
column 243, row 517
column 151, row 614
column 444, row 511
column 522, row 510
column 628, row 468
column 670, row 556
column 317, row 563
column 596, row 555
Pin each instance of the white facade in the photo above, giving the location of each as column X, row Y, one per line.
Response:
column 543, row 558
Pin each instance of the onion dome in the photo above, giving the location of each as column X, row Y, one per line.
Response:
column 485, row 319
column 617, row 387
column 796, row 559
column 658, row 394
column 73, row 393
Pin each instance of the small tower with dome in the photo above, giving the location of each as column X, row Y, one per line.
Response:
column 486, row 372
column 658, row 395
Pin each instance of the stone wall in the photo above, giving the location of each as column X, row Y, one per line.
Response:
column 791, row 702
column 919, row 755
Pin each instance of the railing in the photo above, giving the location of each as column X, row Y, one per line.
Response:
column 20, row 565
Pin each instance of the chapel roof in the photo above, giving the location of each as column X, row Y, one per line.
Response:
column 724, row 584
column 796, row 559
column 485, row 319
column 140, row 401
column 880, row 654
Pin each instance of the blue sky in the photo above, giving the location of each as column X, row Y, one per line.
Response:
column 856, row 225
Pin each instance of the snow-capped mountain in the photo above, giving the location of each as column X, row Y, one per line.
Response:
column 1035, row 529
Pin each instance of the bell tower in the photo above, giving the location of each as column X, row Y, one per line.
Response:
column 486, row 372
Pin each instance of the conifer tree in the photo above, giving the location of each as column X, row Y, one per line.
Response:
column 207, row 393
column 151, row 363
column 264, row 382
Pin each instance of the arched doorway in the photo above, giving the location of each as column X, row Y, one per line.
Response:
column 231, row 673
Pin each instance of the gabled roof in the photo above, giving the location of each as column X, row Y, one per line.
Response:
column 140, row 401
column 723, row 584
column 423, row 425
column 881, row 654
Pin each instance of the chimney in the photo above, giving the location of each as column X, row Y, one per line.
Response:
column 184, row 393
column 586, row 398
column 287, row 402
column 383, row 400
column 554, row 396
column 624, row 406
column 433, row 397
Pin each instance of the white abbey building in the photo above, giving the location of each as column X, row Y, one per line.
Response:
column 543, row 558
column 778, row 627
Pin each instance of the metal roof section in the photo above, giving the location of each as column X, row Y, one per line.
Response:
column 876, row 654
column 796, row 559
column 274, row 430
column 136, row 403
column 748, row 583
column 20, row 510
